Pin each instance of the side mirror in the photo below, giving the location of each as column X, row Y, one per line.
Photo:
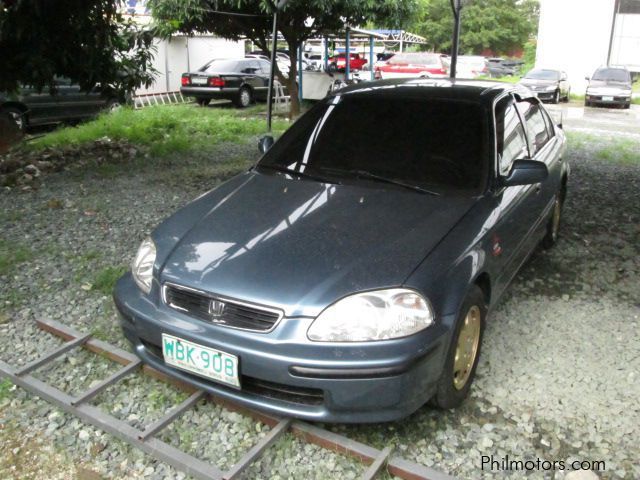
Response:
column 265, row 143
column 587, row 78
column 526, row 172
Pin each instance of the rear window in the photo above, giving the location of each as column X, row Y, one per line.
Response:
column 612, row 74
column 417, row 58
column 216, row 66
column 543, row 75
column 435, row 144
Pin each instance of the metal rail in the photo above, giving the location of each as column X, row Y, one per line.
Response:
column 146, row 439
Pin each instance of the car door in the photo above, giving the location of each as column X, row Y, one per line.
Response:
column 545, row 146
column 516, row 216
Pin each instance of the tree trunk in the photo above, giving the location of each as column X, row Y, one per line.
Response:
column 292, row 86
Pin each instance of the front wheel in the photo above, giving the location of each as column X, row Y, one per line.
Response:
column 553, row 226
column 464, row 353
column 556, row 97
column 244, row 98
column 18, row 117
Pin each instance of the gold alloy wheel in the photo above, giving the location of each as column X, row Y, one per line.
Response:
column 467, row 347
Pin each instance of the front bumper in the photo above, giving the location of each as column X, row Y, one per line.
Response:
column 616, row 100
column 226, row 93
column 285, row 374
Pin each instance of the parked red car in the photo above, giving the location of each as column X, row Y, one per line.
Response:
column 339, row 62
column 426, row 65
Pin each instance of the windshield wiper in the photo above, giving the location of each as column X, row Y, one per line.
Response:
column 280, row 168
column 379, row 178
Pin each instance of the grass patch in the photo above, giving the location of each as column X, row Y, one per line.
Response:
column 5, row 388
column 163, row 129
column 612, row 150
column 12, row 254
column 105, row 279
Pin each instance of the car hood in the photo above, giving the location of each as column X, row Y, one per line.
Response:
column 537, row 82
column 300, row 245
column 609, row 86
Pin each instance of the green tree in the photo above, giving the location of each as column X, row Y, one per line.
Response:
column 87, row 41
column 297, row 22
column 497, row 25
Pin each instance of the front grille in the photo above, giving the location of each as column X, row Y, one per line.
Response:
column 220, row 311
column 260, row 388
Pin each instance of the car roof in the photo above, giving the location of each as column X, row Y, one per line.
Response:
column 481, row 91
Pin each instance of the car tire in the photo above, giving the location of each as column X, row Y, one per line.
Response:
column 556, row 97
column 113, row 104
column 244, row 98
column 587, row 103
column 203, row 102
column 464, row 352
column 553, row 225
column 627, row 106
column 18, row 116
column 567, row 96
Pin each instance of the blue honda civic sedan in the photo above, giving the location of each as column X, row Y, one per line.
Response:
column 348, row 275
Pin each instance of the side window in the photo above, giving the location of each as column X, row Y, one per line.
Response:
column 535, row 124
column 265, row 67
column 549, row 123
column 511, row 140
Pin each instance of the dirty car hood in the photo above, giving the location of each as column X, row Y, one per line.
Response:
column 300, row 245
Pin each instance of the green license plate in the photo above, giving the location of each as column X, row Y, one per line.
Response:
column 204, row 361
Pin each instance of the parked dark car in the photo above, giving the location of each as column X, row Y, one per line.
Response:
column 499, row 67
column 331, row 283
column 240, row 80
column 28, row 107
column 609, row 86
column 549, row 85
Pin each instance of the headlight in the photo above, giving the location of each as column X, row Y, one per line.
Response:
column 550, row 88
column 377, row 315
column 142, row 266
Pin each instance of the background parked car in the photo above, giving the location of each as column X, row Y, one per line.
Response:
column 241, row 80
column 550, row 85
column 425, row 65
column 609, row 86
column 499, row 67
column 28, row 107
column 339, row 62
column 471, row 66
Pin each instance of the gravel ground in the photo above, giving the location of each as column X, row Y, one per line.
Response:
column 558, row 378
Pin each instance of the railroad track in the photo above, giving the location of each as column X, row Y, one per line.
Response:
column 146, row 439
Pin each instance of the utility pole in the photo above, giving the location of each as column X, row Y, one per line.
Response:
column 456, row 7
column 274, row 45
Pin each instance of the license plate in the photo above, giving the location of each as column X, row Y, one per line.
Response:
column 198, row 80
column 204, row 361
column 607, row 99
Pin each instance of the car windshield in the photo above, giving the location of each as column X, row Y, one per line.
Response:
column 433, row 144
column 220, row 66
column 543, row 75
column 416, row 58
column 612, row 74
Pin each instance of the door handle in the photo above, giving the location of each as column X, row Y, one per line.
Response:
column 538, row 188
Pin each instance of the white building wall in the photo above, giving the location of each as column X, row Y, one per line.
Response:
column 574, row 36
column 204, row 49
column 626, row 42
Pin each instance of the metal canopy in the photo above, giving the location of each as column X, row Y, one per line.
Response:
column 401, row 36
